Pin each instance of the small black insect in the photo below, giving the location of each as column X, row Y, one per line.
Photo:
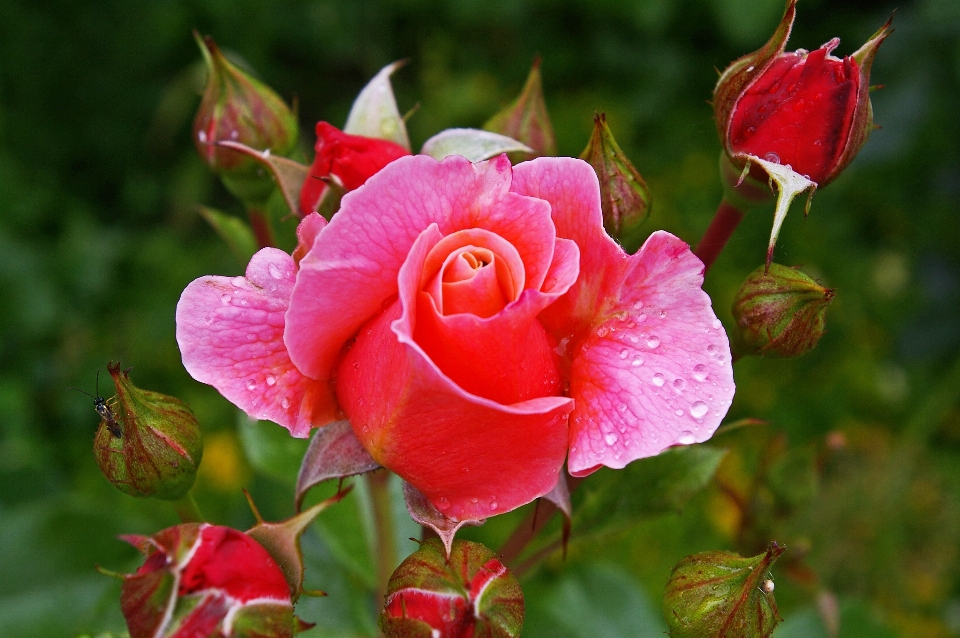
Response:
column 104, row 410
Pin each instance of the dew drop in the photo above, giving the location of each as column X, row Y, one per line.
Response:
column 621, row 316
column 686, row 438
column 610, row 438
column 624, row 353
column 251, row 384
column 663, row 314
column 716, row 324
column 772, row 157
column 225, row 298
column 602, row 331
column 208, row 319
column 271, row 380
column 443, row 503
column 653, row 341
column 817, row 142
column 474, row 500
column 678, row 383
column 698, row 409
column 700, row 372
column 275, row 271
column 637, row 362
column 712, row 350
column 622, row 407
column 678, row 412
column 493, row 506
column 238, row 282
column 751, row 130
column 637, row 305
column 658, row 380
column 285, row 403
column 750, row 68
column 641, row 317
column 634, row 339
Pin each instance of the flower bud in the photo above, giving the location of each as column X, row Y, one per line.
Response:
column 780, row 313
column 722, row 594
column 469, row 594
column 345, row 162
column 239, row 108
column 526, row 119
column 624, row 196
column 148, row 444
column 808, row 110
column 206, row 580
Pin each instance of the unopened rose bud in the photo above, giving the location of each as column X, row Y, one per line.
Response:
column 780, row 313
column 624, row 196
column 344, row 162
column 722, row 594
column 148, row 444
column 206, row 580
column 470, row 593
column 526, row 119
column 808, row 110
column 239, row 108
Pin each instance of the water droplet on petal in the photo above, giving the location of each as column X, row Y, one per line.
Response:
column 238, row 282
column 637, row 305
column 700, row 372
column 624, row 353
column 658, row 380
column 610, row 438
column 602, row 331
column 711, row 350
column 678, row 412
column 653, row 341
column 716, row 324
column 622, row 407
column 275, row 271
column 225, row 298
column 678, row 384
column 686, row 438
column 698, row 409
column 285, row 403
column 493, row 506
column 271, row 380
column 474, row 500
column 772, row 157
column 637, row 361
column 443, row 503
column 251, row 384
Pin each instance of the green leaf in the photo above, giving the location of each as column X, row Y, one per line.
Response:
column 614, row 499
column 270, row 449
column 234, row 231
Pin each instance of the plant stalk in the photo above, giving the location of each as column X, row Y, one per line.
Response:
column 725, row 221
column 187, row 510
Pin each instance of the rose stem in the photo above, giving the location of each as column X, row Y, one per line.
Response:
column 386, row 553
column 260, row 223
column 725, row 221
column 531, row 525
column 187, row 509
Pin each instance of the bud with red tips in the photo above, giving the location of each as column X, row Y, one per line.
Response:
column 808, row 110
column 239, row 108
column 153, row 446
column 526, row 119
column 344, row 162
column 468, row 595
column 206, row 580
column 722, row 594
column 624, row 196
column 780, row 313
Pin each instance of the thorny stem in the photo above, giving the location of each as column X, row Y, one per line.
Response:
column 187, row 509
column 386, row 558
column 260, row 224
column 725, row 221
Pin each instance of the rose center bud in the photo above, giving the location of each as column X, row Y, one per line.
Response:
column 478, row 274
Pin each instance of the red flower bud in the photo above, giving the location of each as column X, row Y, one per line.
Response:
column 148, row 444
column 206, row 580
column 348, row 160
column 239, row 108
column 468, row 595
column 808, row 110
column 780, row 313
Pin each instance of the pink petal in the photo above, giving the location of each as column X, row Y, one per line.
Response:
column 307, row 232
column 352, row 270
column 230, row 333
column 471, row 457
column 655, row 371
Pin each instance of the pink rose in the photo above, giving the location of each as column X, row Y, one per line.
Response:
column 476, row 326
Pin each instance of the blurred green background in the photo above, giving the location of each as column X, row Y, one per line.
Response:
column 857, row 472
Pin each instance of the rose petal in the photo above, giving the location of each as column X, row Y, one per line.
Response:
column 470, row 456
column 656, row 370
column 230, row 333
column 307, row 232
column 386, row 216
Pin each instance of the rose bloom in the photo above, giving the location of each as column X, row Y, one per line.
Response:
column 349, row 159
column 476, row 326
column 206, row 580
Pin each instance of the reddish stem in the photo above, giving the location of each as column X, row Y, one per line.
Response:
column 725, row 221
column 528, row 528
column 260, row 224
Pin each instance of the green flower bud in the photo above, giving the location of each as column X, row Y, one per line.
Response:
column 624, row 196
column 722, row 595
column 148, row 444
column 239, row 108
column 526, row 119
column 780, row 313
column 469, row 594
